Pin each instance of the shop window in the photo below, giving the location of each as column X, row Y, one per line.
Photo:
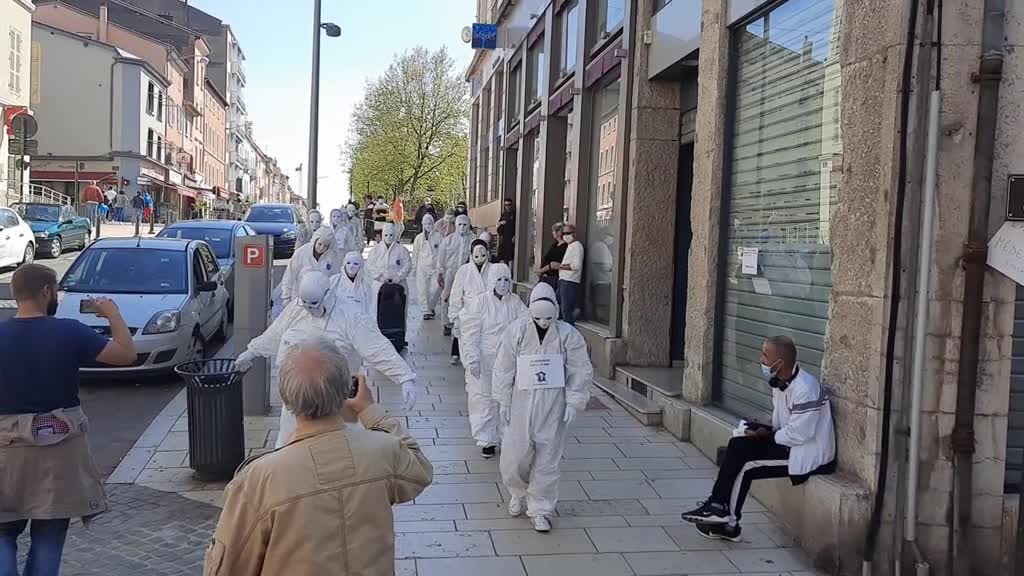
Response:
column 568, row 28
column 531, row 155
column 150, row 142
column 609, row 17
column 602, row 230
column 514, row 79
column 781, row 197
column 535, row 73
column 151, row 99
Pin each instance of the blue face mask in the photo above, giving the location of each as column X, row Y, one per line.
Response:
column 768, row 371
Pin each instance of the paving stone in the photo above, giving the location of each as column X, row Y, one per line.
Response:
column 459, row 494
column 529, row 542
column 425, row 526
column 174, row 441
column 443, row 545
column 601, row 508
column 688, row 538
column 683, row 488
column 782, row 559
column 466, row 478
column 420, row 513
column 618, row 489
column 681, row 473
column 651, row 463
column 648, row 450
column 588, row 464
column 486, row 511
column 577, row 565
column 592, row 451
column 483, row 466
column 663, row 563
column 618, row 475
column 450, row 467
column 649, row 539
column 474, row 566
column 405, row 568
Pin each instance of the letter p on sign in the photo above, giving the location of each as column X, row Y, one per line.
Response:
column 254, row 256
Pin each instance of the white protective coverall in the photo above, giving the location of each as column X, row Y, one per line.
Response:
column 357, row 234
column 305, row 260
column 353, row 286
column 424, row 252
column 339, row 224
column 484, row 321
column 470, row 280
column 389, row 262
column 538, row 416
column 313, row 222
column 451, row 254
column 316, row 311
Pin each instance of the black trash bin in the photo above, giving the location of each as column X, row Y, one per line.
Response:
column 216, row 435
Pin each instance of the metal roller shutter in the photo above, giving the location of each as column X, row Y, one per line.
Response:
column 781, row 197
column 1015, row 432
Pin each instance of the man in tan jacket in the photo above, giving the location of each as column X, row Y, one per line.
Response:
column 321, row 504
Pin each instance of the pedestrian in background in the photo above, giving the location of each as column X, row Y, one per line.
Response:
column 426, row 208
column 507, row 232
column 570, row 273
column 368, row 222
column 138, row 206
column 92, row 197
column 47, row 474
column 147, row 210
column 552, row 259
column 322, row 503
column 121, row 203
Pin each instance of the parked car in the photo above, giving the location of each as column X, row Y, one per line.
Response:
column 170, row 292
column 220, row 235
column 17, row 245
column 283, row 221
column 56, row 227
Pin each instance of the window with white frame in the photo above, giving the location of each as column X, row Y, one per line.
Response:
column 150, row 141
column 160, row 106
column 15, row 60
column 151, row 99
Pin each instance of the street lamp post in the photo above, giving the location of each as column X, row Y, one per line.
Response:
column 332, row 30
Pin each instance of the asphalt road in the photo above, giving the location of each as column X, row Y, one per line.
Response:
column 119, row 410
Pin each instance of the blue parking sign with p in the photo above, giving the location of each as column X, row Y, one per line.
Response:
column 485, row 36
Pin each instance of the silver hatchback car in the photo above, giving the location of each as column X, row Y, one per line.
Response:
column 171, row 294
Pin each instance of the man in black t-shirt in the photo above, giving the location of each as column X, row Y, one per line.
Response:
column 553, row 257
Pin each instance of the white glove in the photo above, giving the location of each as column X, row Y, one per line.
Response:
column 570, row 414
column 505, row 414
column 409, row 394
column 474, row 370
column 244, row 361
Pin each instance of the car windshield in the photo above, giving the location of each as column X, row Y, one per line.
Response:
column 218, row 239
column 39, row 212
column 128, row 271
column 277, row 214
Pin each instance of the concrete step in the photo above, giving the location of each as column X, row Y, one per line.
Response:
column 642, row 408
column 665, row 381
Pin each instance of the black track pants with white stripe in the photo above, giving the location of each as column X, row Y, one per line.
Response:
column 747, row 459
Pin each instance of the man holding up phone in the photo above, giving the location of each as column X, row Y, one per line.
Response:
column 46, row 469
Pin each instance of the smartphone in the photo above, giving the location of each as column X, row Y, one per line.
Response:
column 355, row 387
column 87, row 306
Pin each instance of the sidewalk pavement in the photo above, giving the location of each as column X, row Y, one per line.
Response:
column 622, row 490
column 127, row 229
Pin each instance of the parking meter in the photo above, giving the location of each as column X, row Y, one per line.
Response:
column 254, row 264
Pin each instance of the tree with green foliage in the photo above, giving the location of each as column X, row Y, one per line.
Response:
column 409, row 134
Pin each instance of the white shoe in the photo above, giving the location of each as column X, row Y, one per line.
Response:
column 541, row 524
column 454, row 361
column 516, row 506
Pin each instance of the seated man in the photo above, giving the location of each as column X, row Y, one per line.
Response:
column 800, row 442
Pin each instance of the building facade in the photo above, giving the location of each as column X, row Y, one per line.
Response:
column 15, row 91
column 781, row 197
column 215, row 107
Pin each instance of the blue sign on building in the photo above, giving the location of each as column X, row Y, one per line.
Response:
column 485, row 36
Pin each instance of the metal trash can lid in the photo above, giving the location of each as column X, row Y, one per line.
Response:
column 210, row 373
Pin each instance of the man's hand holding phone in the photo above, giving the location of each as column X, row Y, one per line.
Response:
column 363, row 397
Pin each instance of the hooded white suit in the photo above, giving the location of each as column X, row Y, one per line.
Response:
column 469, row 281
column 453, row 252
column 356, row 293
column 484, row 321
column 424, row 252
column 389, row 262
column 535, row 437
column 356, row 334
column 357, row 233
column 304, row 261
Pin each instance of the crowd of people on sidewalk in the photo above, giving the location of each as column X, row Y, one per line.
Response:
column 341, row 460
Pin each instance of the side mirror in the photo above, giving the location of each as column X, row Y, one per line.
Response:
column 208, row 286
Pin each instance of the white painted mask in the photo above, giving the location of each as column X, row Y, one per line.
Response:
column 569, row 238
column 479, row 255
column 353, row 263
column 351, row 209
column 323, row 239
column 543, row 313
column 388, row 234
column 315, row 220
column 336, row 218
column 503, row 285
column 428, row 224
column 462, row 225
column 313, row 292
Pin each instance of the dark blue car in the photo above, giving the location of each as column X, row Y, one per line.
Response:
column 282, row 221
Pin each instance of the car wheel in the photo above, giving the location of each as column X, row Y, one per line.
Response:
column 197, row 347
column 30, row 254
column 56, row 247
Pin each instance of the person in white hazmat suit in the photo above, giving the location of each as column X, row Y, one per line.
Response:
column 470, row 280
column 357, row 234
column 313, row 222
column 353, row 285
column 317, row 312
column 389, row 262
column 541, row 380
column 320, row 254
column 483, row 322
column 424, row 251
column 339, row 225
column 451, row 254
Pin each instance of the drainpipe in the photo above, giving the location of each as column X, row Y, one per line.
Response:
column 990, row 70
column 101, row 34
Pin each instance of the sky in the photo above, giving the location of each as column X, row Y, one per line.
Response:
column 277, row 42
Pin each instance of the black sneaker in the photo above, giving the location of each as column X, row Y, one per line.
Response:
column 720, row 531
column 708, row 513
column 488, row 452
column 426, row 316
column 447, row 330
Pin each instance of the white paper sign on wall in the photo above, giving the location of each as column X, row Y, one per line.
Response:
column 1006, row 251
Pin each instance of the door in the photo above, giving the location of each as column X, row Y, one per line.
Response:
column 684, row 183
column 212, row 302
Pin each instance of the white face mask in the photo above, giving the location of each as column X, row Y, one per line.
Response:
column 543, row 313
column 351, row 211
column 479, row 255
column 313, row 292
column 352, row 267
column 502, row 286
column 336, row 218
column 321, row 245
column 428, row 226
column 568, row 238
column 315, row 220
column 388, row 235
column 462, row 225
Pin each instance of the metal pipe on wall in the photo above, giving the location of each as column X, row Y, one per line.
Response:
column 990, row 69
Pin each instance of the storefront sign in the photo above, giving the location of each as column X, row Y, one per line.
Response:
column 485, row 36
column 155, row 175
column 1006, row 251
column 175, row 177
